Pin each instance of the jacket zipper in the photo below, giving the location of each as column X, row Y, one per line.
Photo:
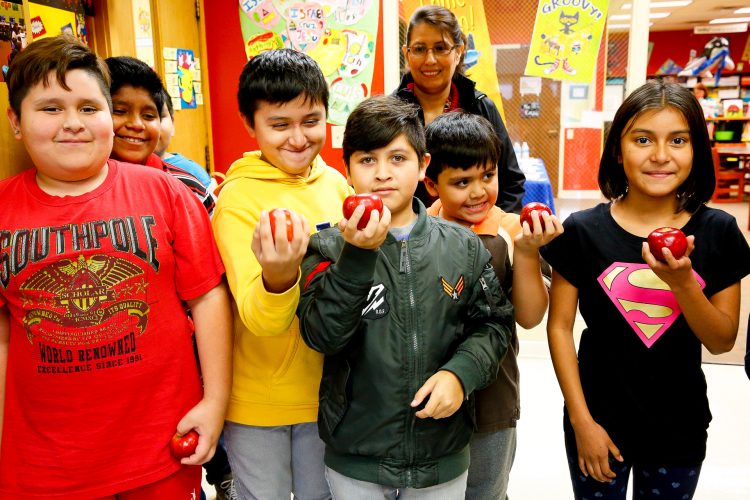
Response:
column 405, row 268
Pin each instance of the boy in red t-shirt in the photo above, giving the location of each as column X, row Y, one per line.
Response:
column 97, row 368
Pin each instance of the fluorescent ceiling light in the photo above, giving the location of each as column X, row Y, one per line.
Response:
column 622, row 26
column 652, row 15
column 728, row 20
column 662, row 5
column 744, row 10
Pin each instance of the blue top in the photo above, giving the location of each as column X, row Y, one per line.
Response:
column 192, row 167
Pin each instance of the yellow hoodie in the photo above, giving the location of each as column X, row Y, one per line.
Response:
column 276, row 376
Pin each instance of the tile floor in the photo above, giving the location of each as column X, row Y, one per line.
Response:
column 540, row 471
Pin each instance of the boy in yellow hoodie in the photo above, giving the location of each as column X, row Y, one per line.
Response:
column 271, row 431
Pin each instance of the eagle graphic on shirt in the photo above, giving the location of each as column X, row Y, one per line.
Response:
column 72, row 301
column 644, row 300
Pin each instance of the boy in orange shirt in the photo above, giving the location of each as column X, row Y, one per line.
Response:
column 463, row 175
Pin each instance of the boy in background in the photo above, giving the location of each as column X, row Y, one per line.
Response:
column 165, row 137
column 97, row 365
column 137, row 94
column 137, row 98
column 463, row 176
column 410, row 316
column 271, row 432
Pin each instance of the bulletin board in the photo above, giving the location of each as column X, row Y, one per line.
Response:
column 339, row 34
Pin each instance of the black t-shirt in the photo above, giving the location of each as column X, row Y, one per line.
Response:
column 639, row 362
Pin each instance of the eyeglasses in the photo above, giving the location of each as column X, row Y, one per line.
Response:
column 420, row 51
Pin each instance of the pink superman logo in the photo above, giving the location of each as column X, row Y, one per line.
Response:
column 643, row 299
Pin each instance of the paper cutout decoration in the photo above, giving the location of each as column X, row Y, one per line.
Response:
column 263, row 14
column 349, row 13
column 345, row 95
column 330, row 52
column 263, row 42
column 305, row 25
column 566, row 40
column 185, row 77
column 37, row 27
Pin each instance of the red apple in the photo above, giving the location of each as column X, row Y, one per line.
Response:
column 667, row 237
column 281, row 213
column 184, row 446
column 530, row 207
column 369, row 201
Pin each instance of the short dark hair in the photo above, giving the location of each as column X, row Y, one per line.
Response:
column 444, row 21
column 279, row 76
column 59, row 54
column 129, row 71
column 461, row 140
column 168, row 103
column 657, row 95
column 377, row 121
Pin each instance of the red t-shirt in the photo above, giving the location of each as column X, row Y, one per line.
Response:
column 101, row 365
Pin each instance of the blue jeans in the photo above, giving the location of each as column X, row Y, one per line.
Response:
column 274, row 462
column 492, row 455
column 649, row 482
column 346, row 488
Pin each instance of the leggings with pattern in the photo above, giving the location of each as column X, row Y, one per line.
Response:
column 649, row 482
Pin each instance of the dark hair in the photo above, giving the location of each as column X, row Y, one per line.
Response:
column 168, row 103
column 129, row 71
column 461, row 140
column 279, row 76
column 444, row 21
column 377, row 121
column 656, row 95
column 59, row 54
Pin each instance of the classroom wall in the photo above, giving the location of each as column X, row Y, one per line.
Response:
column 226, row 53
column 675, row 45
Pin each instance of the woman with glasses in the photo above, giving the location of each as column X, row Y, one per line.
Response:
column 435, row 48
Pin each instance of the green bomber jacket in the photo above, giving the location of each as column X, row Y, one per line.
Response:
column 387, row 320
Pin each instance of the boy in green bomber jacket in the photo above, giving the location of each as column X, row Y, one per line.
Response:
column 410, row 316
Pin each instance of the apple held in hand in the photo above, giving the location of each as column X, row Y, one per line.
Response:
column 667, row 237
column 284, row 215
column 184, row 446
column 369, row 201
column 530, row 207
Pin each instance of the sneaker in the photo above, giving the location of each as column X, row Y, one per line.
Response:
column 552, row 68
column 567, row 68
column 225, row 489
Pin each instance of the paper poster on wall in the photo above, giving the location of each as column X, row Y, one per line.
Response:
column 185, row 77
column 53, row 17
column 530, row 85
column 338, row 34
column 531, row 109
column 566, row 40
column 12, row 33
column 478, row 60
column 144, row 40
